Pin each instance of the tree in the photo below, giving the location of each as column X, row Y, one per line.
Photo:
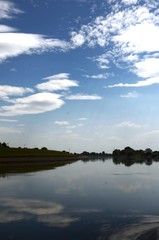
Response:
column 43, row 148
column 4, row 145
column 148, row 151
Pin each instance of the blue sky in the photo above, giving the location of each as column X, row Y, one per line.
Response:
column 79, row 74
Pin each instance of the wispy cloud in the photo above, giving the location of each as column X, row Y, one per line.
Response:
column 99, row 76
column 130, row 95
column 8, row 120
column 102, row 60
column 144, row 83
column 15, row 44
column 131, row 30
column 57, row 82
column 83, row 119
column 62, row 123
column 128, row 124
column 83, row 97
column 129, row 2
column 8, row 9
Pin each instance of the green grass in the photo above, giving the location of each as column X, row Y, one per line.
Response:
column 26, row 152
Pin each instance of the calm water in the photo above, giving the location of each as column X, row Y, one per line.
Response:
column 84, row 200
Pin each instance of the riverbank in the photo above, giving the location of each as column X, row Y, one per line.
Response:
column 34, row 161
column 31, row 164
column 13, row 157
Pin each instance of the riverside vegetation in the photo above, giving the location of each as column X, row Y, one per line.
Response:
column 128, row 156
column 30, row 160
column 12, row 157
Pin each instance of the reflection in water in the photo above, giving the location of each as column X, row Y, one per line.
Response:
column 95, row 200
column 49, row 213
column 142, row 231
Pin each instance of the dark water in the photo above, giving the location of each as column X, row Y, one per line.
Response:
column 92, row 200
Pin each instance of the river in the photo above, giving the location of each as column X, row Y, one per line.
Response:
column 93, row 200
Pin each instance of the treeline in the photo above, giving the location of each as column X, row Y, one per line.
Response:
column 129, row 156
column 4, row 145
column 92, row 155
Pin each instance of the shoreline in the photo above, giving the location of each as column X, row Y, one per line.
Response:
column 35, row 161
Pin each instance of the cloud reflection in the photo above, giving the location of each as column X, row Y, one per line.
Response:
column 49, row 213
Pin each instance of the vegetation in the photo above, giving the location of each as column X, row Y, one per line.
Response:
column 27, row 152
column 43, row 157
column 23, row 160
column 92, row 155
column 129, row 156
column 6, row 151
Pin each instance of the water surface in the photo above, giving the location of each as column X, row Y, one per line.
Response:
column 94, row 200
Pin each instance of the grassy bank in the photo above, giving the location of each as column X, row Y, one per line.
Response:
column 25, row 157
column 35, row 152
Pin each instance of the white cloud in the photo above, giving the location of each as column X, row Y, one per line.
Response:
column 102, row 60
column 34, row 104
column 57, row 82
column 77, row 39
column 15, row 44
column 83, row 119
column 128, row 124
column 129, row 2
column 147, row 68
column 129, row 95
column 116, row 26
column 8, row 120
column 4, row 28
column 61, row 123
column 57, row 76
column 132, row 32
column 83, row 97
column 6, row 91
column 99, row 76
column 143, row 37
column 7, row 9
column 144, row 83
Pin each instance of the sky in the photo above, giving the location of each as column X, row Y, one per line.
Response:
column 79, row 75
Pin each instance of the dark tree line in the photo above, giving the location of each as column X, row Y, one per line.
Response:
column 4, row 145
column 129, row 156
column 91, row 155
